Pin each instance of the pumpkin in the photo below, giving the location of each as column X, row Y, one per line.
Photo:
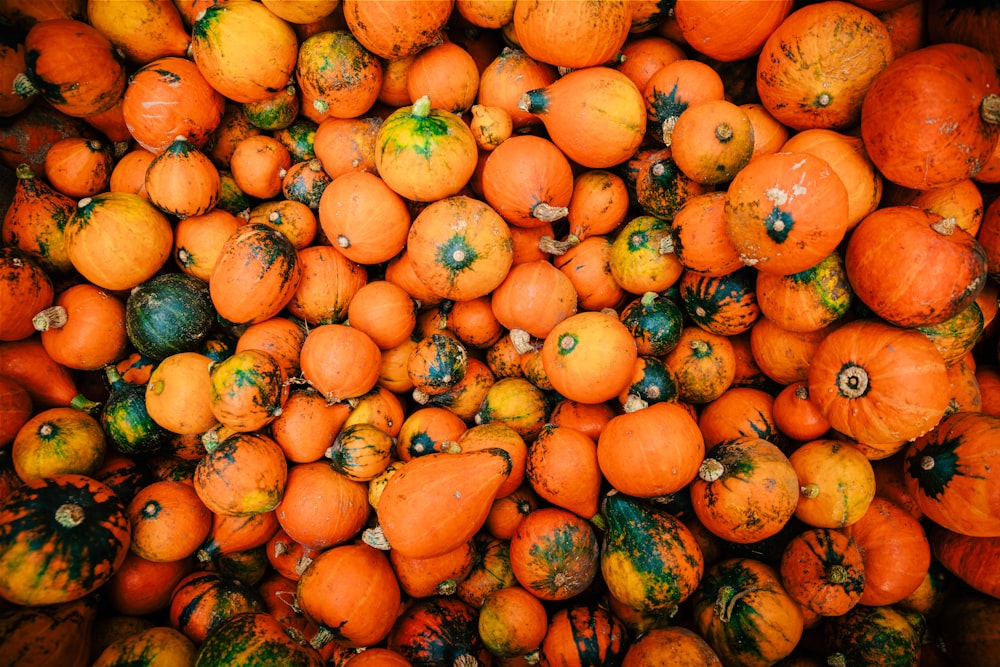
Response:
column 966, row 557
column 360, row 451
column 101, row 240
column 661, row 187
column 235, row 534
column 203, row 600
column 711, row 141
column 510, row 75
column 168, row 520
column 332, row 373
column 534, row 297
column 507, row 512
column 348, row 208
column 571, row 36
column 746, row 490
column 129, row 173
column 680, row 645
column 351, row 591
column 528, row 181
column 836, row 480
column 808, row 300
column 62, row 537
column 583, row 634
column 875, row 635
column 167, row 314
column 11, row 65
column 895, row 549
column 842, row 47
column 491, row 570
column 554, row 553
column 650, row 561
column 26, row 289
column 248, row 389
column 672, row 89
column 304, row 183
column 182, row 181
column 58, row 441
column 744, row 613
column 254, row 636
column 293, row 12
column 337, row 76
column 79, row 167
column 738, row 412
column 963, row 83
column 59, row 633
column 447, row 73
column 868, row 362
column 72, row 66
column 270, row 287
column 380, row 408
column 178, row 394
column 398, row 29
column 157, row 643
column 512, row 622
column 769, row 135
column 823, row 570
column 655, row 322
column 438, row 631
column 306, row 521
column 460, row 248
column 438, row 575
column 562, row 468
column 142, row 586
column 47, row 382
column 490, row 126
column 35, row 220
column 474, row 322
column 425, row 153
column 16, row 408
column 465, row 486
column 595, row 115
column 426, row 430
column 728, row 31
column 945, row 471
column 588, row 266
column 244, row 474
column 782, row 355
column 328, row 283
column 85, row 328
column 703, row 364
column 885, row 280
column 259, row 164
column 785, row 212
column 723, row 305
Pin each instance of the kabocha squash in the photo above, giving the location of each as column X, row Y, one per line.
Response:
column 61, row 538
column 167, row 314
column 79, row 167
column 85, row 328
column 655, row 322
column 447, row 73
column 875, row 635
column 143, row 31
column 450, row 493
column 953, row 82
column 823, row 570
column 808, row 300
column 335, row 375
column 571, row 35
column 58, row 441
column 508, row 77
column 528, row 181
column 723, row 305
column 562, row 468
column 947, row 472
column 203, row 600
column 868, row 363
column 745, row 614
column 254, row 638
column 589, row 357
column 650, row 561
column 738, row 412
column 337, row 75
column 512, row 622
column 309, row 489
column 425, row 153
column 168, row 521
column 248, row 389
column 178, row 394
column 836, row 481
column 642, row 258
column 595, row 115
column 397, row 29
column 439, row 575
column 182, row 181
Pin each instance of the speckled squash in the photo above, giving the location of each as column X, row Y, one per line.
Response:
column 203, row 600
column 167, row 314
column 243, row 474
column 879, row 635
column 723, row 305
column 554, row 553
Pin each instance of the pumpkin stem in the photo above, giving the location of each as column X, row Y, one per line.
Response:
column 723, row 132
column 836, row 660
column 24, row 172
column 852, row 381
column 375, row 538
column 533, row 657
column 521, row 340
column 634, row 403
column 711, row 470
column 69, row 515
column 53, row 317
column 648, row 298
column 837, row 574
column 23, row 86
column 599, row 521
column 534, row 101
column 726, row 601
column 421, row 397
column 422, row 107
column 667, row 245
column 802, row 392
column 667, row 130
column 447, row 587
column 945, row 226
column 927, row 463
column 550, row 246
column 810, row 490
column 449, row 447
column 465, row 660
column 322, row 637
column 547, row 213
column 989, row 109
column 84, row 404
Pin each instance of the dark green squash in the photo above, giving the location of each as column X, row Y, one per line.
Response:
column 650, row 560
column 254, row 639
column 167, row 314
column 61, row 538
column 724, row 305
column 875, row 637
column 124, row 417
column 654, row 382
column 655, row 321
column 438, row 631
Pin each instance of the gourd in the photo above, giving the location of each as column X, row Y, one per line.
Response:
column 554, row 554
column 167, row 314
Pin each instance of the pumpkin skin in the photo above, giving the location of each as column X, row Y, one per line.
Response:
column 248, row 389
column 571, row 35
column 728, row 31
column 73, row 67
column 61, row 538
column 745, row 615
column 102, row 235
column 243, row 474
column 528, row 181
column 875, row 635
column 583, row 634
column 677, row 644
column 823, row 570
column 746, row 490
column 424, row 577
column 203, row 600
column 508, row 77
column 337, row 76
column 968, row 558
column 438, row 631
column 85, row 329
column 554, row 553
column 655, row 322
column 159, row 643
column 35, row 221
column 836, row 480
column 26, row 289
column 534, row 297
column 918, row 153
column 595, row 115
column 808, row 300
column 815, row 68
column 178, row 394
column 512, row 622
column 782, row 203
column 397, row 29
column 182, row 181
column 650, row 561
column 738, row 412
column 723, row 305
column 868, row 362
column 168, row 521
column 886, row 278
column 58, row 441
column 312, row 486
column 589, row 357
column 946, row 471
column 642, row 258
column 218, row 38
column 79, row 167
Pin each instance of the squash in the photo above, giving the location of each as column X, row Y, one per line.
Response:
column 167, row 314
column 512, row 622
column 15, row 408
column 650, row 561
column 349, row 206
column 85, row 328
column 254, row 637
column 672, row 89
column 351, row 591
column 745, row 614
column 57, row 634
column 72, row 66
column 569, row 35
column 47, row 382
column 58, row 441
column 361, row 451
column 808, row 300
column 962, row 81
column 35, row 220
column 655, row 322
column 681, row 646
column 823, row 570
column 562, row 468
column 728, row 30
column 711, row 141
column 967, row 629
column 967, row 558
column 723, row 305
column 450, row 493
column 85, row 532
column 554, row 553
column 583, row 633
column 233, row 534
column 26, row 289
column 177, row 394
column 248, row 389
column 337, row 76
column 144, row 31
column 397, row 29
column 865, row 362
column 116, row 240
column 703, row 364
column 595, row 115
column 875, row 635
column 738, row 412
column 438, row 631
column 155, row 644
column 259, row 164
column 528, row 181
column 699, row 238
column 309, row 488
column 836, row 481
column 438, row 575
column 244, row 474
column 79, row 167
column 447, row 73
column 168, row 520
column 183, row 181
column 815, row 68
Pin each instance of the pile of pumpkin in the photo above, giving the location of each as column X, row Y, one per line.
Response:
column 470, row 332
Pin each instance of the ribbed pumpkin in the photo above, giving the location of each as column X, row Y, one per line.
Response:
column 438, row 630
column 243, row 296
column 528, row 181
column 61, row 538
column 116, row 240
column 823, row 570
column 947, row 472
column 554, row 553
column 425, row 153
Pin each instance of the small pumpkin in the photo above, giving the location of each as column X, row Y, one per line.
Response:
column 167, row 314
column 178, row 394
column 438, row 630
column 79, row 167
column 397, row 30
column 203, row 600
column 168, row 520
column 836, row 481
column 554, row 553
column 26, row 289
column 562, row 468
column 875, row 635
column 823, row 570
column 703, row 363
column 337, row 75
column 583, row 634
column 808, row 300
column 248, row 389
column 35, row 221
column 571, row 36
column 157, row 643
column 182, row 181
column 309, row 488
column 244, row 474
column 58, row 441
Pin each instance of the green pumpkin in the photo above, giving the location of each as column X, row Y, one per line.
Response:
column 168, row 314
column 125, row 420
column 883, row 636
column 650, row 561
column 655, row 321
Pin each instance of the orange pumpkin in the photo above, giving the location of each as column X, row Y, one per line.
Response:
column 329, row 281
column 712, row 140
column 769, row 135
column 554, row 554
column 438, row 575
column 563, row 469
column 571, row 35
column 728, row 30
column 823, row 570
column 512, row 622
column 699, row 238
column 347, row 144
column 644, row 55
column 309, row 489
column 182, row 181
column 398, row 28
column 259, row 164
column 57, row 441
column 796, row 415
column 169, row 521
column 35, row 221
column 528, row 181
column 447, row 73
column 703, row 364
column 738, row 412
column 244, row 474
column 808, row 300
column 79, row 167
column 336, row 375
column 26, row 289
column 673, row 88
column 510, row 75
column 337, row 76
column 294, row 219
column 836, row 481
column 85, row 328
column 364, row 218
